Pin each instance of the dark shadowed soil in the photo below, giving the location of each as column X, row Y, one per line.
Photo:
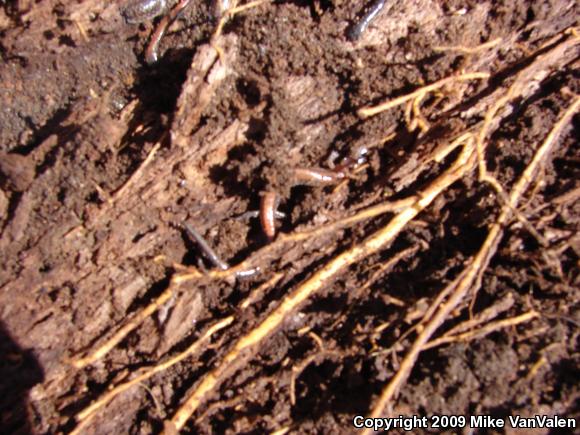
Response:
column 103, row 157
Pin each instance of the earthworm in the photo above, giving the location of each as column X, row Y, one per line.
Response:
column 268, row 205
column 357, row 30
column 207, row 251
column 151, row 55
column 138, row 11
column 317, row 176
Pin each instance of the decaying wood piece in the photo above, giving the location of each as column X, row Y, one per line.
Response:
column 104, row 262
column 199, row 150
column 208, row 69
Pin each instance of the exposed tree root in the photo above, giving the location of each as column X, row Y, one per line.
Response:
column 472, row 274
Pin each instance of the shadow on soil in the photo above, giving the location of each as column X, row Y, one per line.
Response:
column 19, row 372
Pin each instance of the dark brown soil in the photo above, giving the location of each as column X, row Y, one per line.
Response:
column 103, row 157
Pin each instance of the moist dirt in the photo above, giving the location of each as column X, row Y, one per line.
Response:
column 103, row 157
